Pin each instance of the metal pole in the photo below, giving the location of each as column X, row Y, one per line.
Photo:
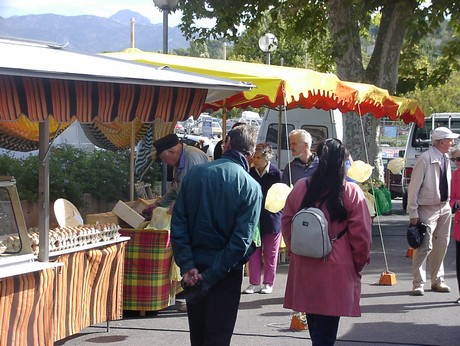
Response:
column 131, row 22
column 280, row 132
column 131, row 161
column 165, row 30
column 44, row 191
column 267, row 54
column 164, row 167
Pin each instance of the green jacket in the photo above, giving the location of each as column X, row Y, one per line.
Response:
column 214, row 218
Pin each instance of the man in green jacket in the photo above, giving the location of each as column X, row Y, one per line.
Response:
column 212, row 227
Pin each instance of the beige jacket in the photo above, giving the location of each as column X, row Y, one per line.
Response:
column 424, row 183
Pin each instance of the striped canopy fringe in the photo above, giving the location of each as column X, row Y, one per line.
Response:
column 114, row 136
column 38, row 98
column 22, row 134
column 144, row 154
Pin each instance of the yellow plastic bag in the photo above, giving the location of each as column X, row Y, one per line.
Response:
column 396, row 165
column 276, row 197
column 161, row 220
column 174, row 271
column 370, row 201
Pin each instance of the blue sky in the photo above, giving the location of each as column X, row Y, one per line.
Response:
column 100, row 8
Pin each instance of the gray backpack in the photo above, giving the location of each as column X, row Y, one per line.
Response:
column 309, row 234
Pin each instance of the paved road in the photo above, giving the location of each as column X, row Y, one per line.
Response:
column 390, row 315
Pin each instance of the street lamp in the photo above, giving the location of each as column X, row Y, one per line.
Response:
column 166, row 6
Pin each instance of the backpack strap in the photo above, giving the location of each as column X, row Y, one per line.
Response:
column 340, row 235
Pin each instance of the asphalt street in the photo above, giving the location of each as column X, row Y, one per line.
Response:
column 390, row 315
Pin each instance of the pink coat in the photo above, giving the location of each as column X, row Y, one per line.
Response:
column 333, row 286
column 454, row 197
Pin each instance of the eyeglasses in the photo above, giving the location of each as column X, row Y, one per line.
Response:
column 455, row 159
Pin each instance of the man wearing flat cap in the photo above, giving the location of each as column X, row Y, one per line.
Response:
column 180, row 156
column 428, row 202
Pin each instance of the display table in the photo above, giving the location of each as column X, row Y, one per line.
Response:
column 41, row 307
column 147, row 284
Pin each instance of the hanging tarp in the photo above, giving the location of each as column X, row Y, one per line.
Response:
column 287, row 86
column 22, row 134
column 38, row 82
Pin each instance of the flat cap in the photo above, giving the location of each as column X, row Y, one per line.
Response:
column 165, row 143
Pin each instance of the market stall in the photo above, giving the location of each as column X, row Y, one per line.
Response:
column 71, row 280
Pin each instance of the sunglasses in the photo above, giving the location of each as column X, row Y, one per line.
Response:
column 455, row 159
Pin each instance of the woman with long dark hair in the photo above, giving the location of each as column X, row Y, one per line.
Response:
column 330, row 287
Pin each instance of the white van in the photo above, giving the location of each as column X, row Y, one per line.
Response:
column 319, row 123
column 419, row 140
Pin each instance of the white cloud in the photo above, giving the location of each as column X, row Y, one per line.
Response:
column 102, row 8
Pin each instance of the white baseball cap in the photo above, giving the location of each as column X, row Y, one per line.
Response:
column 442, row 133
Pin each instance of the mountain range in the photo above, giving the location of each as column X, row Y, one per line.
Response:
column 93, row 34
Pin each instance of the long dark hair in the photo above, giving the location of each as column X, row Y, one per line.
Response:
column 326, row 185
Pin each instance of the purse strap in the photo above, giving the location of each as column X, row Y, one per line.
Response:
column 340, row 235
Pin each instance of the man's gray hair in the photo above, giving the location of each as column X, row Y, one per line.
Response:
column 306, row 136
column 454, row 150
column 243, row 139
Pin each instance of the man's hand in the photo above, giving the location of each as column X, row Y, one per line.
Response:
column 147, row 212
column 414, row 220
column 192, row 277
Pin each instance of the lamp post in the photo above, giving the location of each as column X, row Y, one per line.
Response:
column 166, row 6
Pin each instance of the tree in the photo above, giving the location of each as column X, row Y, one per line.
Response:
column 335, row 29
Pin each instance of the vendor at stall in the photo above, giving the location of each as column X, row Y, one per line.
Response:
column 181, row 157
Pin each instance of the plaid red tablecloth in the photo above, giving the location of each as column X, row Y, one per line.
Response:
column 147, row 283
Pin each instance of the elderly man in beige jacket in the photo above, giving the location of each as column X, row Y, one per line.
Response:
column 428, row 202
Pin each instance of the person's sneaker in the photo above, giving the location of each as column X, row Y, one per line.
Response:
column 440, row 286
column 418, row 291
column 252, row 289
column 266, row 289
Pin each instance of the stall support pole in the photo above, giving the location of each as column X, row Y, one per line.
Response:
column 280, row 131
column 131, row 161
column 44, row 191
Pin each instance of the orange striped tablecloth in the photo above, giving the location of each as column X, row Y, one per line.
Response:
column 41, row 307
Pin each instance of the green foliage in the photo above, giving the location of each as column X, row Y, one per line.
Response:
column 429, row 54
column 75, row 172
column 199, row 49
column 440, row 99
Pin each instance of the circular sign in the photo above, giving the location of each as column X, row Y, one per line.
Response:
column 268, row 42
column 67, row 215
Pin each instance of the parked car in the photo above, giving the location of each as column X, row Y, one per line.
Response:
column 216, row 129
column 203, row 143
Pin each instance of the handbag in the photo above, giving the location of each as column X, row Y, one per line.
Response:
column 415, row 234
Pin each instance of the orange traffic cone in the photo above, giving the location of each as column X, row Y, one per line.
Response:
column 387, row 279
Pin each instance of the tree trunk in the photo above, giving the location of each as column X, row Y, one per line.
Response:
column 361, row 134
